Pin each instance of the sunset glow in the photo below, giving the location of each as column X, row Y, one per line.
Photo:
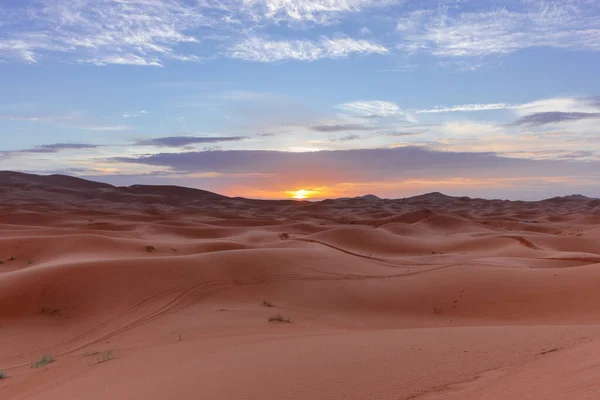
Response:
column 301, row 194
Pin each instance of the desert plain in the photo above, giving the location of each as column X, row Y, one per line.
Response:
column 158, row 292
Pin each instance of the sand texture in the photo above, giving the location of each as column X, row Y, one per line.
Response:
column 167, row 293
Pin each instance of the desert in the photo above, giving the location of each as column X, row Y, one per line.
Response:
column 172, row 293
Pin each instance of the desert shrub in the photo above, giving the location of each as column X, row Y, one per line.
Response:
column 45, row 360
column 267, row 303
column 279, row 318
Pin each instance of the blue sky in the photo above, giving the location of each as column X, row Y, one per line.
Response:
column 261, row 98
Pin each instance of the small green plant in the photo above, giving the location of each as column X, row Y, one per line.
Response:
column 45, row 360
column 267, row 303
column 433, row 252
column 150, row 249
column 279, row 318
column 105, row 356
column 11, row 258
column 101, row 356
column 29, row 262
column 2, row 375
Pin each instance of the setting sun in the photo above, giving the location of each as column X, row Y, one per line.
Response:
column 302, row 194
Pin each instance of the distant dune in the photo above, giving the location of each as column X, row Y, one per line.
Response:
column 166, row 292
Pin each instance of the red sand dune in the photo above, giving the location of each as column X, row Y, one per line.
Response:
column 157, row 293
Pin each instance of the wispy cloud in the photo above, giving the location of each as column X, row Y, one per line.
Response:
column 467, row 108
column 154, row 32
column 264, row 50
column 181, row 141
column 452, row 32
column 374, row 108
column 346, row 138
column 341, row 127
column 149, row 32
column 544, row 118
column 53, row 148
column 137, row 32
column 322, row 11
column 134, row 114
column 73, row 120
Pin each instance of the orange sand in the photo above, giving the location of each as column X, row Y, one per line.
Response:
column 432, row 297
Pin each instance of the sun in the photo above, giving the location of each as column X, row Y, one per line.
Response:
column 302, row 194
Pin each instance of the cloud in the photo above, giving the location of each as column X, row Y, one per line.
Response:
column 375, row 108
column 322, row 11
column 341, row 128
column 555, row 155
column 180, row 141
column 451, row 32
column 154, row 32
column 467, row 108
column 68, row 120
column 360, row 162
column 267, row 51
column 347, row 138
column 134, row 114
column 553, row 117
column 53, row 148
column 560, row 104
column 137, row 32
column 150, row 32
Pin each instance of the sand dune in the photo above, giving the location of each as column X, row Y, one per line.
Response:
column 166, row 293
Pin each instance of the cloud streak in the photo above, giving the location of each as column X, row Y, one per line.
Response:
column 52, row 148
column 468, row 108
column 263, row 50
column 181, row 141
column 342, row 128
column 554, row 117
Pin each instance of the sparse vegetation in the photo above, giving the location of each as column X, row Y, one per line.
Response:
column 179, row 338
column 550, row 351
column 11, row 258
column 284, row 236
column 29, row 262
column 279, row 318
column 2, row 375
column 105, row 356
column 267, row 303
column 44, row 361
column 101, row 356
column 150, row 249
column 437, row 310
column 1, row 262
column 432, row 251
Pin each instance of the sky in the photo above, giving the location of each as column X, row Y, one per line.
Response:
column 298, row 98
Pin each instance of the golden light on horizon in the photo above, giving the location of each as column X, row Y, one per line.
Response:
column 302, row 194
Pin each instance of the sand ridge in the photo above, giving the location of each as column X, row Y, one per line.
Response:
column 165, row 292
